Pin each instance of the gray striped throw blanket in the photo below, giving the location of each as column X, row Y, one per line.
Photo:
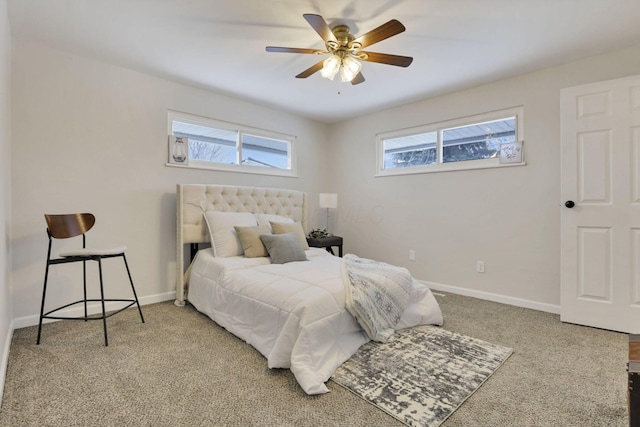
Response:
column 376, row 295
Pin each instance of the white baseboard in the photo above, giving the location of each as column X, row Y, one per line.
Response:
column 518, row 302
column 5, row 359
column 77, row 311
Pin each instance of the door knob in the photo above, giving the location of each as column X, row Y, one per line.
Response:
column 569, row 204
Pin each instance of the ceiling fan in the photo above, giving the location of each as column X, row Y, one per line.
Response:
column 345, row 50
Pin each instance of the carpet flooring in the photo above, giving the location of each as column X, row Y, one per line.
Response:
column 181, row 369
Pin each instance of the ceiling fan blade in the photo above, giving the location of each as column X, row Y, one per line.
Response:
column 385, row 58
column 320, row 25
column 359, row 78
column 314, row 68
column 383, row 32
column 291, row 49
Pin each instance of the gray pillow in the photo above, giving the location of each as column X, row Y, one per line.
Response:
column 283, row 248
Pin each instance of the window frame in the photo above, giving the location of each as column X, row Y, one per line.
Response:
column 239, row 130
column 439, row 127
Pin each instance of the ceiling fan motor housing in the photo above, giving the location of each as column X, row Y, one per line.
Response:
column 344, row 40
column 344, row 44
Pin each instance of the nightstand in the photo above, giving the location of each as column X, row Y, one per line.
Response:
column 327, row 243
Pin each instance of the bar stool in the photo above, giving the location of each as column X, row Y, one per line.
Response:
column 72, row 225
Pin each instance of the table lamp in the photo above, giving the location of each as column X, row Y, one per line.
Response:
column 328, row 201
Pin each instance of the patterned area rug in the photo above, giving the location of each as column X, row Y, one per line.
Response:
column 422, row 376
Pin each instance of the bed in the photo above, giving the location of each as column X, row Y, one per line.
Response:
column 294, row 313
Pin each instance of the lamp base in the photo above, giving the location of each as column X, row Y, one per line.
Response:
column 327, row 220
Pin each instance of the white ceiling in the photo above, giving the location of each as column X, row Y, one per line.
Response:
column 220, row 44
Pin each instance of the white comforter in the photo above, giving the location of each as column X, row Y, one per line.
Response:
column 294, row 313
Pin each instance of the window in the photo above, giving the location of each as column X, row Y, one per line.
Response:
column 468, row 143
column 227, row 146
column 411, row 150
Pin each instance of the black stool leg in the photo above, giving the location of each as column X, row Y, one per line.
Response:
column 104, row 315
column 132, row 287
column 44, row 293
column 84, row 283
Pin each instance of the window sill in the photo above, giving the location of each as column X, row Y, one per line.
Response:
column 447, row 167
column 239, row 169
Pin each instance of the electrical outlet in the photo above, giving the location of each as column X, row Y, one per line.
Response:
column 480, row 266
column 412, row 255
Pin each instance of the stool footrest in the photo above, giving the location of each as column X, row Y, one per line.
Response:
column 98, row 316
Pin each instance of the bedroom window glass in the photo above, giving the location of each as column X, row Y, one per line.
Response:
column 478, row 140
column 231, row 147
column 265, row 152
column 410, row 150
column 466, row 143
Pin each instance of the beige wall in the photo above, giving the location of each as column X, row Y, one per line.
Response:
column 509, row 217
column 6, row 314
column 92, row 137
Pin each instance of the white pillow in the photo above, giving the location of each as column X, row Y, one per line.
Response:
column 224, row 239
column 264, row 220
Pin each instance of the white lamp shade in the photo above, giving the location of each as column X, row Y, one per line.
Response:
column 331, row 67
column 350, row 67
column 328, row 201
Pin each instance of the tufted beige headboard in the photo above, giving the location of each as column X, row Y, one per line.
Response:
column 192, row 200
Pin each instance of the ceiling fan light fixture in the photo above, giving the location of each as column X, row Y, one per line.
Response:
column 331, row 66
column 344, row 50
column 350, row 68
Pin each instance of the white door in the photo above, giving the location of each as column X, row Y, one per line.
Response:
column 600, row 220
